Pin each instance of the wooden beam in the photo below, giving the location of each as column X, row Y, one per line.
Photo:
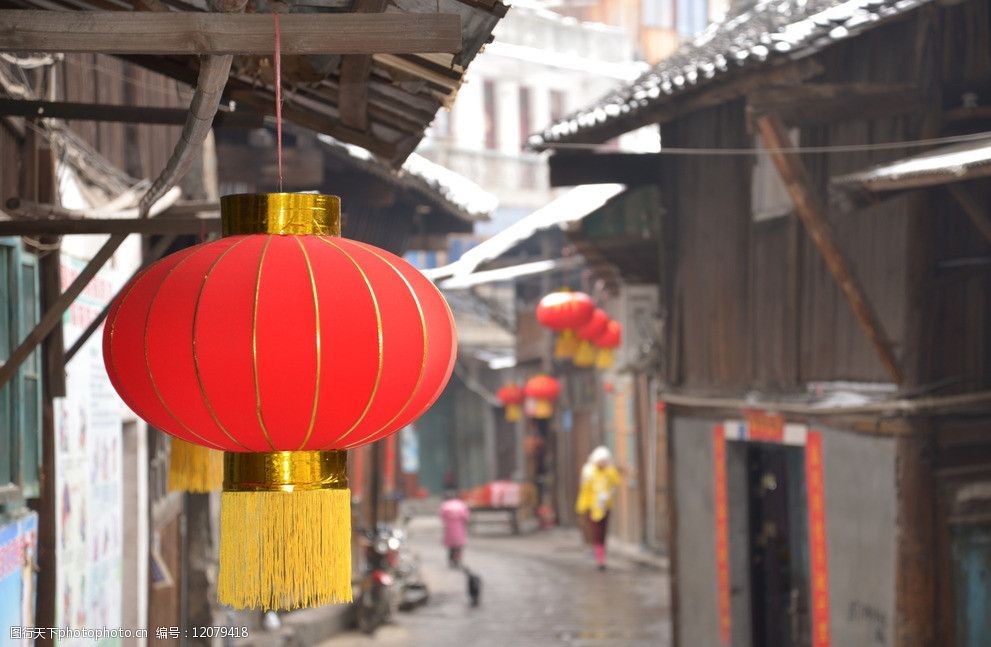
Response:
column 193, row 32
column 68, row 226
column 355, row 71
column 795, row 178
column 970, row 206
column 815, row 103
column 121, row 114
column 153, row 255
column 573, row 169
column 53, row 316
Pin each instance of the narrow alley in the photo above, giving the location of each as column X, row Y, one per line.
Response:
column 538, row 590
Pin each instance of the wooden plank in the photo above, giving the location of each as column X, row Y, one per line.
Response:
column 355, row 71
column 792, row 171
column 53, row 316
column 573, row 169
column 67, row 226
column 974, row 211
column 190, row 32
column 153, row 255
column 816, row 103
column 121, row 113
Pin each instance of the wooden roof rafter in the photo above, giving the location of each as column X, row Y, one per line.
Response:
column 386, row 110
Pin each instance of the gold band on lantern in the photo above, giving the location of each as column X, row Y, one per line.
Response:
column 285, row 471
column 280, row 213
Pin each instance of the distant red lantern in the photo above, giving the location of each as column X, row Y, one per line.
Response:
column 511, row 396
column 596, row 325
column 607, row 342
column 283, row 345
column 564, row 312
column 542, row 391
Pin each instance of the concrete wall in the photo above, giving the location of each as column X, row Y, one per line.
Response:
column 859, row 474
column 697, row 615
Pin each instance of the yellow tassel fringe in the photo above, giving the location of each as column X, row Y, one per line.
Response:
column 543, row 409
column 283, row 550
column 567, row 344
column 586, row 354
column 604, row 358
column 194, row 468
column 513, row 412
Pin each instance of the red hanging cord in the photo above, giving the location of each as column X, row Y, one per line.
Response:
column 278, row 94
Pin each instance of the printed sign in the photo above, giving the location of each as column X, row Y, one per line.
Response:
column 18, row 547
column 88, row 476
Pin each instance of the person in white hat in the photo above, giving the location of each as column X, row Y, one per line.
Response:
column 600, row 478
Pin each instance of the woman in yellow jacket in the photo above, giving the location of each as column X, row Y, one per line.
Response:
column 595, row 498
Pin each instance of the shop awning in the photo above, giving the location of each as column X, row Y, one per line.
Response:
column 936, row 167
column 568, row 208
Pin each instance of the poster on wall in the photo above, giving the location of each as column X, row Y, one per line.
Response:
column 88, row 475
column 18, row 548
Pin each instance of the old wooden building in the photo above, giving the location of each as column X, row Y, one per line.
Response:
column 825, row 334
column 83, row 134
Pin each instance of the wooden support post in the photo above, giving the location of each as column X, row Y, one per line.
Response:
column 153, row 255
column 816, row 103
column 53, row 316
column 969, row 204
column 575, row 168
column 355, row 70
column 192, row 32
column 795, row 178
column 121, row 113
column 147, row 226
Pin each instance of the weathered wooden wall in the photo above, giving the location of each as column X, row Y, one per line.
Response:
column 754, row 305
column 138, row 149
column 709, row 199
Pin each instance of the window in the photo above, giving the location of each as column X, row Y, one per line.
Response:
column 692, row 16
column 526, row 124
column 491, row 115
column 20, row 399
column 768, row 196
column 557, row 106
column 658, row 13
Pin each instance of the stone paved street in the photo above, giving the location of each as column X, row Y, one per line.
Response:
column 539, row 590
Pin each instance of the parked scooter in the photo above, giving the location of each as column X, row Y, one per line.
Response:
column 378, row 594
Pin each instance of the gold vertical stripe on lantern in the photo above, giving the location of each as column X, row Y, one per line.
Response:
column 285, row 516
column 194, row 468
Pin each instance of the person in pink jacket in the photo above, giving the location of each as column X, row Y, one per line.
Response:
column 454, row 515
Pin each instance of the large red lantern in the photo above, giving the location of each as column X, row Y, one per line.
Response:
column 564, row 312
column 607, row 342
column 585, row 355
column 282, row 345
column 511, row 396
column 542, row 391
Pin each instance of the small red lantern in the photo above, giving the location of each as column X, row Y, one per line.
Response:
column 607, row 342
column 542, row 391
column 511, row 396
column 585, row 356
column 282, row 345
column 564, row 312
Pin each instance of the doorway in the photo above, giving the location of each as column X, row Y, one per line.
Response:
column 778, row 532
